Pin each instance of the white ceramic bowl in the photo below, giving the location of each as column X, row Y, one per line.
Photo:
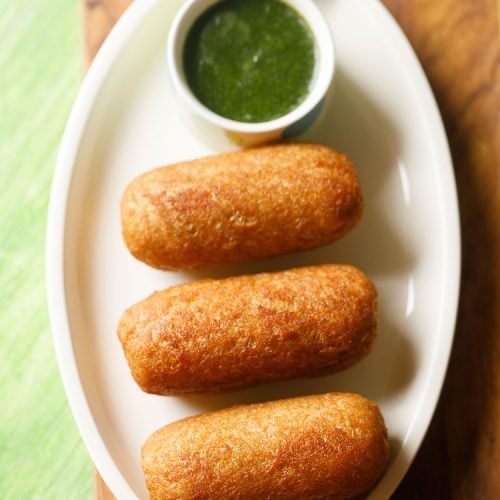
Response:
column 244, row 133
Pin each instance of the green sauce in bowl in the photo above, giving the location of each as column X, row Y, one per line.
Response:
column 250, row 60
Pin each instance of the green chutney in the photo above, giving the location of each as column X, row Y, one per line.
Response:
column 250, row 60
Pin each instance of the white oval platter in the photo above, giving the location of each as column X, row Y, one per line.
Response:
column 125, row 121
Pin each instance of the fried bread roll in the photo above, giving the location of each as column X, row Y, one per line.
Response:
column 237, row 207
column 217, row 335
column 326, row 446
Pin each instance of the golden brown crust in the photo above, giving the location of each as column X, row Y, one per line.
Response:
column 217, row 335
column 236, row 207
column 328, row 446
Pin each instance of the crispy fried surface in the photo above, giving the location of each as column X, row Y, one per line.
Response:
column 236, row 207
column 328, row 446
column 216, row 335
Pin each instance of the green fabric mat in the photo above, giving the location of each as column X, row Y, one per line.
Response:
column 41, row 453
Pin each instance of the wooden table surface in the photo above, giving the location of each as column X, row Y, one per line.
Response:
column 457, row 42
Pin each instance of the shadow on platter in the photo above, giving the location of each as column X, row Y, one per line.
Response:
column 395, row 447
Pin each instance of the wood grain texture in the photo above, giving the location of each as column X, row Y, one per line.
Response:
column 41, row 453
column 101, row 490
column 457, row 42
column 98, row 17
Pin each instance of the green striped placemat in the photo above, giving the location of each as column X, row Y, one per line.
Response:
column 41, row 453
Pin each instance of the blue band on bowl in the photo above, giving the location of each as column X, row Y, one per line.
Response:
column 304, row 123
